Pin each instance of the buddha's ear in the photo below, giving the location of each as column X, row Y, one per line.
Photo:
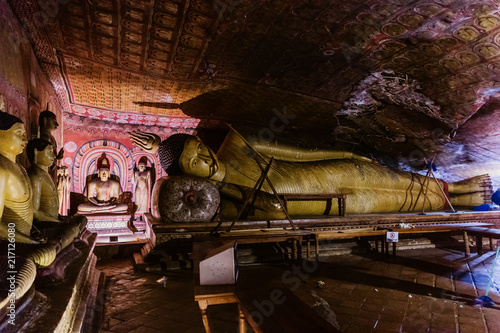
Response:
column 36, row 152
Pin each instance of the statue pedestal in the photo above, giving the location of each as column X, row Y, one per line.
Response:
column 55, row 272
column 114, row 228
column 66, row 307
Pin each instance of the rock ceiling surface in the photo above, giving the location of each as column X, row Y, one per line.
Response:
column 397, row 80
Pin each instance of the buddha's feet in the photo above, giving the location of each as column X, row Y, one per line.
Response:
column 470, row 185
column 473, row 191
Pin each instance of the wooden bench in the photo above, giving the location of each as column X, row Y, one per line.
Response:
column 280, row 310
column 480, row 233
column 328, row 197
column 211, row 295
column 342, row 234
column 269, row 235
column 379, row 234
column 288, row 313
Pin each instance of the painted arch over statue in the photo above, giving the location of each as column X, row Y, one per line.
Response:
column 85, row 162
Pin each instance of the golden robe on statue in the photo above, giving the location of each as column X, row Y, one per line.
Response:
column 370, row 187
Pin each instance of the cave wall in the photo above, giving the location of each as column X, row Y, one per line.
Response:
column 25, row 90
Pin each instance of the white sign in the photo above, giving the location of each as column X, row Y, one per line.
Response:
column 392, row 237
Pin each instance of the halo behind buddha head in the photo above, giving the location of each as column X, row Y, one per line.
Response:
column 103, row 162
column 170, row 151
column 7, row 121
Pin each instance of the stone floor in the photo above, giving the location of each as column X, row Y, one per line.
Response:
column 427, row 290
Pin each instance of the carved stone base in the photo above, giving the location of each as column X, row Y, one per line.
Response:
column 69, row 305
column 97, row 223
column 54, row 273
column 28, row 309
column 114, row 228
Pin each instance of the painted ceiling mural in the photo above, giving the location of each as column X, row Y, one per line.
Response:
column 396, row 80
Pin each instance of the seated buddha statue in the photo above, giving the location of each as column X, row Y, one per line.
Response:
column 102, row 193
column 16, row 200
column 370, row 187
column 45, row 200
column 45, row 193
column 47, row 121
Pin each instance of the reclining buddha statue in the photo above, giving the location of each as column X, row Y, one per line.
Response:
column 369, row 186
column 102, row 193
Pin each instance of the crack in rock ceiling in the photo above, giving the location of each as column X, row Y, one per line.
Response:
column 393, row 79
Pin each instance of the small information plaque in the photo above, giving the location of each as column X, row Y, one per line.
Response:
column 392, row 237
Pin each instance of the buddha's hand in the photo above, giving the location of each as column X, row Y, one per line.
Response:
column 146, row 141
column 39, row 239
column 36, row 236
column 44, row 255
column 60, row 154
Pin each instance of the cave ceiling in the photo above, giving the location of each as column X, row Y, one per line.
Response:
column 396, row 80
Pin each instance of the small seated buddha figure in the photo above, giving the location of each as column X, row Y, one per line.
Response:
column 102, row 193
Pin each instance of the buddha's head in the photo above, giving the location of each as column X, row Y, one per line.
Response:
column 12, row 135
column 142, row 164
column 103, row 167
column 187, row 154
column 47, row 120
column 40, row 152
column 61, row 171
column 103, row 174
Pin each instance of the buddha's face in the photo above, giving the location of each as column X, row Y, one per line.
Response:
column 14, row 140
column 45, row 157
column 197, row 159
column 141, row 167
column 51, row 123
column 104, row 174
